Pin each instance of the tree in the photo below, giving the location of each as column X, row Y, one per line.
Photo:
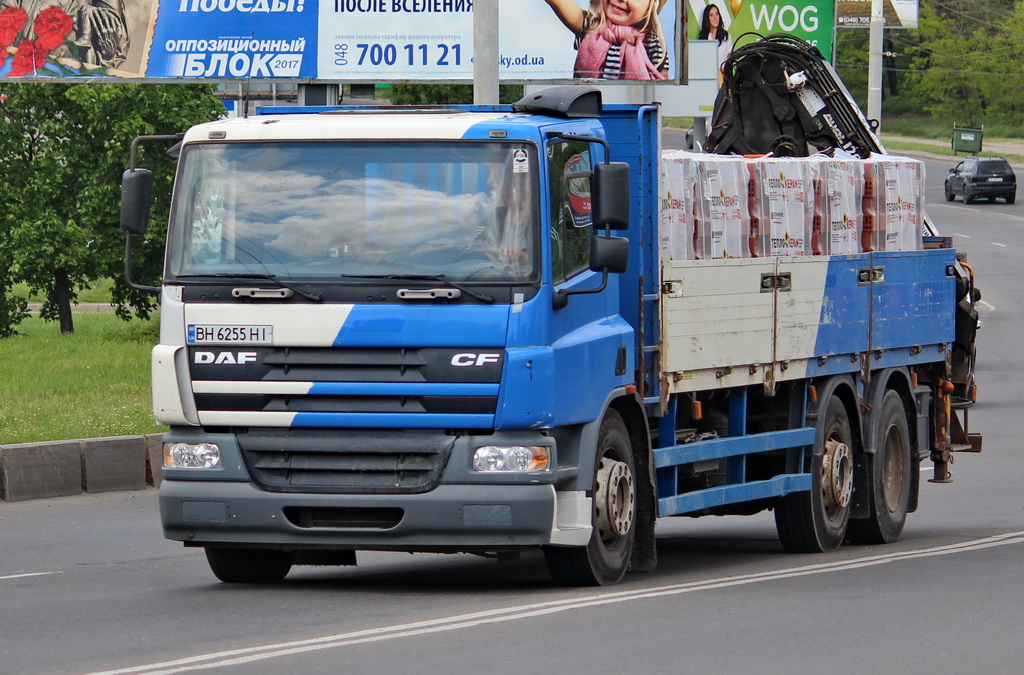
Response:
column 64, row 148
column 440, row 94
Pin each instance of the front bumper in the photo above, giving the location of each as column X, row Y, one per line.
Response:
column 449, row 518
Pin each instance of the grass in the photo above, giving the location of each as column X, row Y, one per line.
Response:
column 89, row 384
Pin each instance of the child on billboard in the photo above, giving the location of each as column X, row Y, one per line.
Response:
column 616, row 39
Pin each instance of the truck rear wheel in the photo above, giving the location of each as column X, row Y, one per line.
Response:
column 816, row 521
column 888, row 477
column 249, row 565
column 605, row 558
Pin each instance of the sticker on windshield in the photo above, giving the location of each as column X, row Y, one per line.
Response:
column 520, row 161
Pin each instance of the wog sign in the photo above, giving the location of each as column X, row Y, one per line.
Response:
column 810, row 20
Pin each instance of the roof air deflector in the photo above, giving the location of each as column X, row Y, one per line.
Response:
column 565, row 101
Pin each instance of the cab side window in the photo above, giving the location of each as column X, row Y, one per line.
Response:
column 571, row 220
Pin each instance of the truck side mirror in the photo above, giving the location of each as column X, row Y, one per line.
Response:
column 136, row 198
column 609, row 253
column 610, row 197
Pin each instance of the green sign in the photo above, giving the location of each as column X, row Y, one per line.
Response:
column 811, row 20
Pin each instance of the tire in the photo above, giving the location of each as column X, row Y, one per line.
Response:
column 889, row 473
column 968, row 199
column 949, row 192
column 605, row 558
column 816, row 521
column 1011, row 198
column 249, row 565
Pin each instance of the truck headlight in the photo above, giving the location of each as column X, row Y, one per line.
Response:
column 514, row 458
column 191, row 456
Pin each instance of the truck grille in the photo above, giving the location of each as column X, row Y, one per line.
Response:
column 352, row 461
column 346, row 387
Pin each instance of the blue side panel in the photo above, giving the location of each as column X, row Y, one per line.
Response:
column 843, row 328
column 915, row 304
column 409, row 325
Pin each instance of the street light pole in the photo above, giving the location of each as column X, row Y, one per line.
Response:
column 485, row 52
column 875, row 61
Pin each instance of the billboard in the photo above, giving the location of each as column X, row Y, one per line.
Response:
column 857, row 13
column 744, row 20
column 338, row 40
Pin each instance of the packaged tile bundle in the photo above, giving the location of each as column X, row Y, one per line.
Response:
column 721, row 208
column 680, row 177
column 837, row 213
column 781, row 206
column 893, row 203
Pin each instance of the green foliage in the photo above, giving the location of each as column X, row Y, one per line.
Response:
column 91, row 384
column 961, row 65
column 441, row 94
column 65, row 147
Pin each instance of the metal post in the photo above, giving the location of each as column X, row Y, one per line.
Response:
column 485, row 52
column 875, row 62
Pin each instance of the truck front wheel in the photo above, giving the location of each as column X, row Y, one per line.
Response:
column 249, row 565
column 605, row 559
column 816, row 521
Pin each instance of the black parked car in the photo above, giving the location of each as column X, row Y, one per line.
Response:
column 975, row 177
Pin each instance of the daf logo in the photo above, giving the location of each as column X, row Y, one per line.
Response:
column 468, row 359
column 225, row 358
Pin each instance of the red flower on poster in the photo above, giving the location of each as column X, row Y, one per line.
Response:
column 12, row 19
column 51, row 26
column 29, row 59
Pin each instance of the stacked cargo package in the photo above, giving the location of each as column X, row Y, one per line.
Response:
column 727, row 206
column 838, row 215
column 722, row 208
column 680, row 174
column 893, row 204
column 781, row 207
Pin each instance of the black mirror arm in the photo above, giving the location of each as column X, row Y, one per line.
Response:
column 561, row 297
column 128, row 267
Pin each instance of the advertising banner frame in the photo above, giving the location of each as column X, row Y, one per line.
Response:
column 330, row 41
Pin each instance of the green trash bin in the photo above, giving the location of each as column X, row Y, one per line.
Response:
column 967, row 139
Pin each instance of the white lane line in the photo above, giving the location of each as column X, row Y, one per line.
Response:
column 27, row 574
column 252, row 654
column 990, row 307
column 962, row 236
column 996, row 243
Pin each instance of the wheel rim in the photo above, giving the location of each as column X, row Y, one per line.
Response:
column 837, row 476
column 615, row 500
column 894, row 467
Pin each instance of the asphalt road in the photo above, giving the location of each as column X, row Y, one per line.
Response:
column 87, row 584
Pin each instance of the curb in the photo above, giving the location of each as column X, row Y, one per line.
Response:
column 94, row 465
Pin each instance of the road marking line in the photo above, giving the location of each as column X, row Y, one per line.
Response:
column 996, row 243
column 990, row 307
column 252, row 654
column 962, row 236
column 27, row 574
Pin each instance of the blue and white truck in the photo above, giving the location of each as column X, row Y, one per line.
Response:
column 457, row 330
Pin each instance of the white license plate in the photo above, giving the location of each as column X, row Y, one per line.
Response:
column 204, row 333
column 995, row 179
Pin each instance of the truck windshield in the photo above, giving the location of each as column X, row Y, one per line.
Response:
column 332, row 211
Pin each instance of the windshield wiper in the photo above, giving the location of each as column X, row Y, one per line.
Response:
column 482, row 297
column 314, row 297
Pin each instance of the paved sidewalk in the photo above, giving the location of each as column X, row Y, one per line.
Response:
column 80, row 308
column 1002, row 147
